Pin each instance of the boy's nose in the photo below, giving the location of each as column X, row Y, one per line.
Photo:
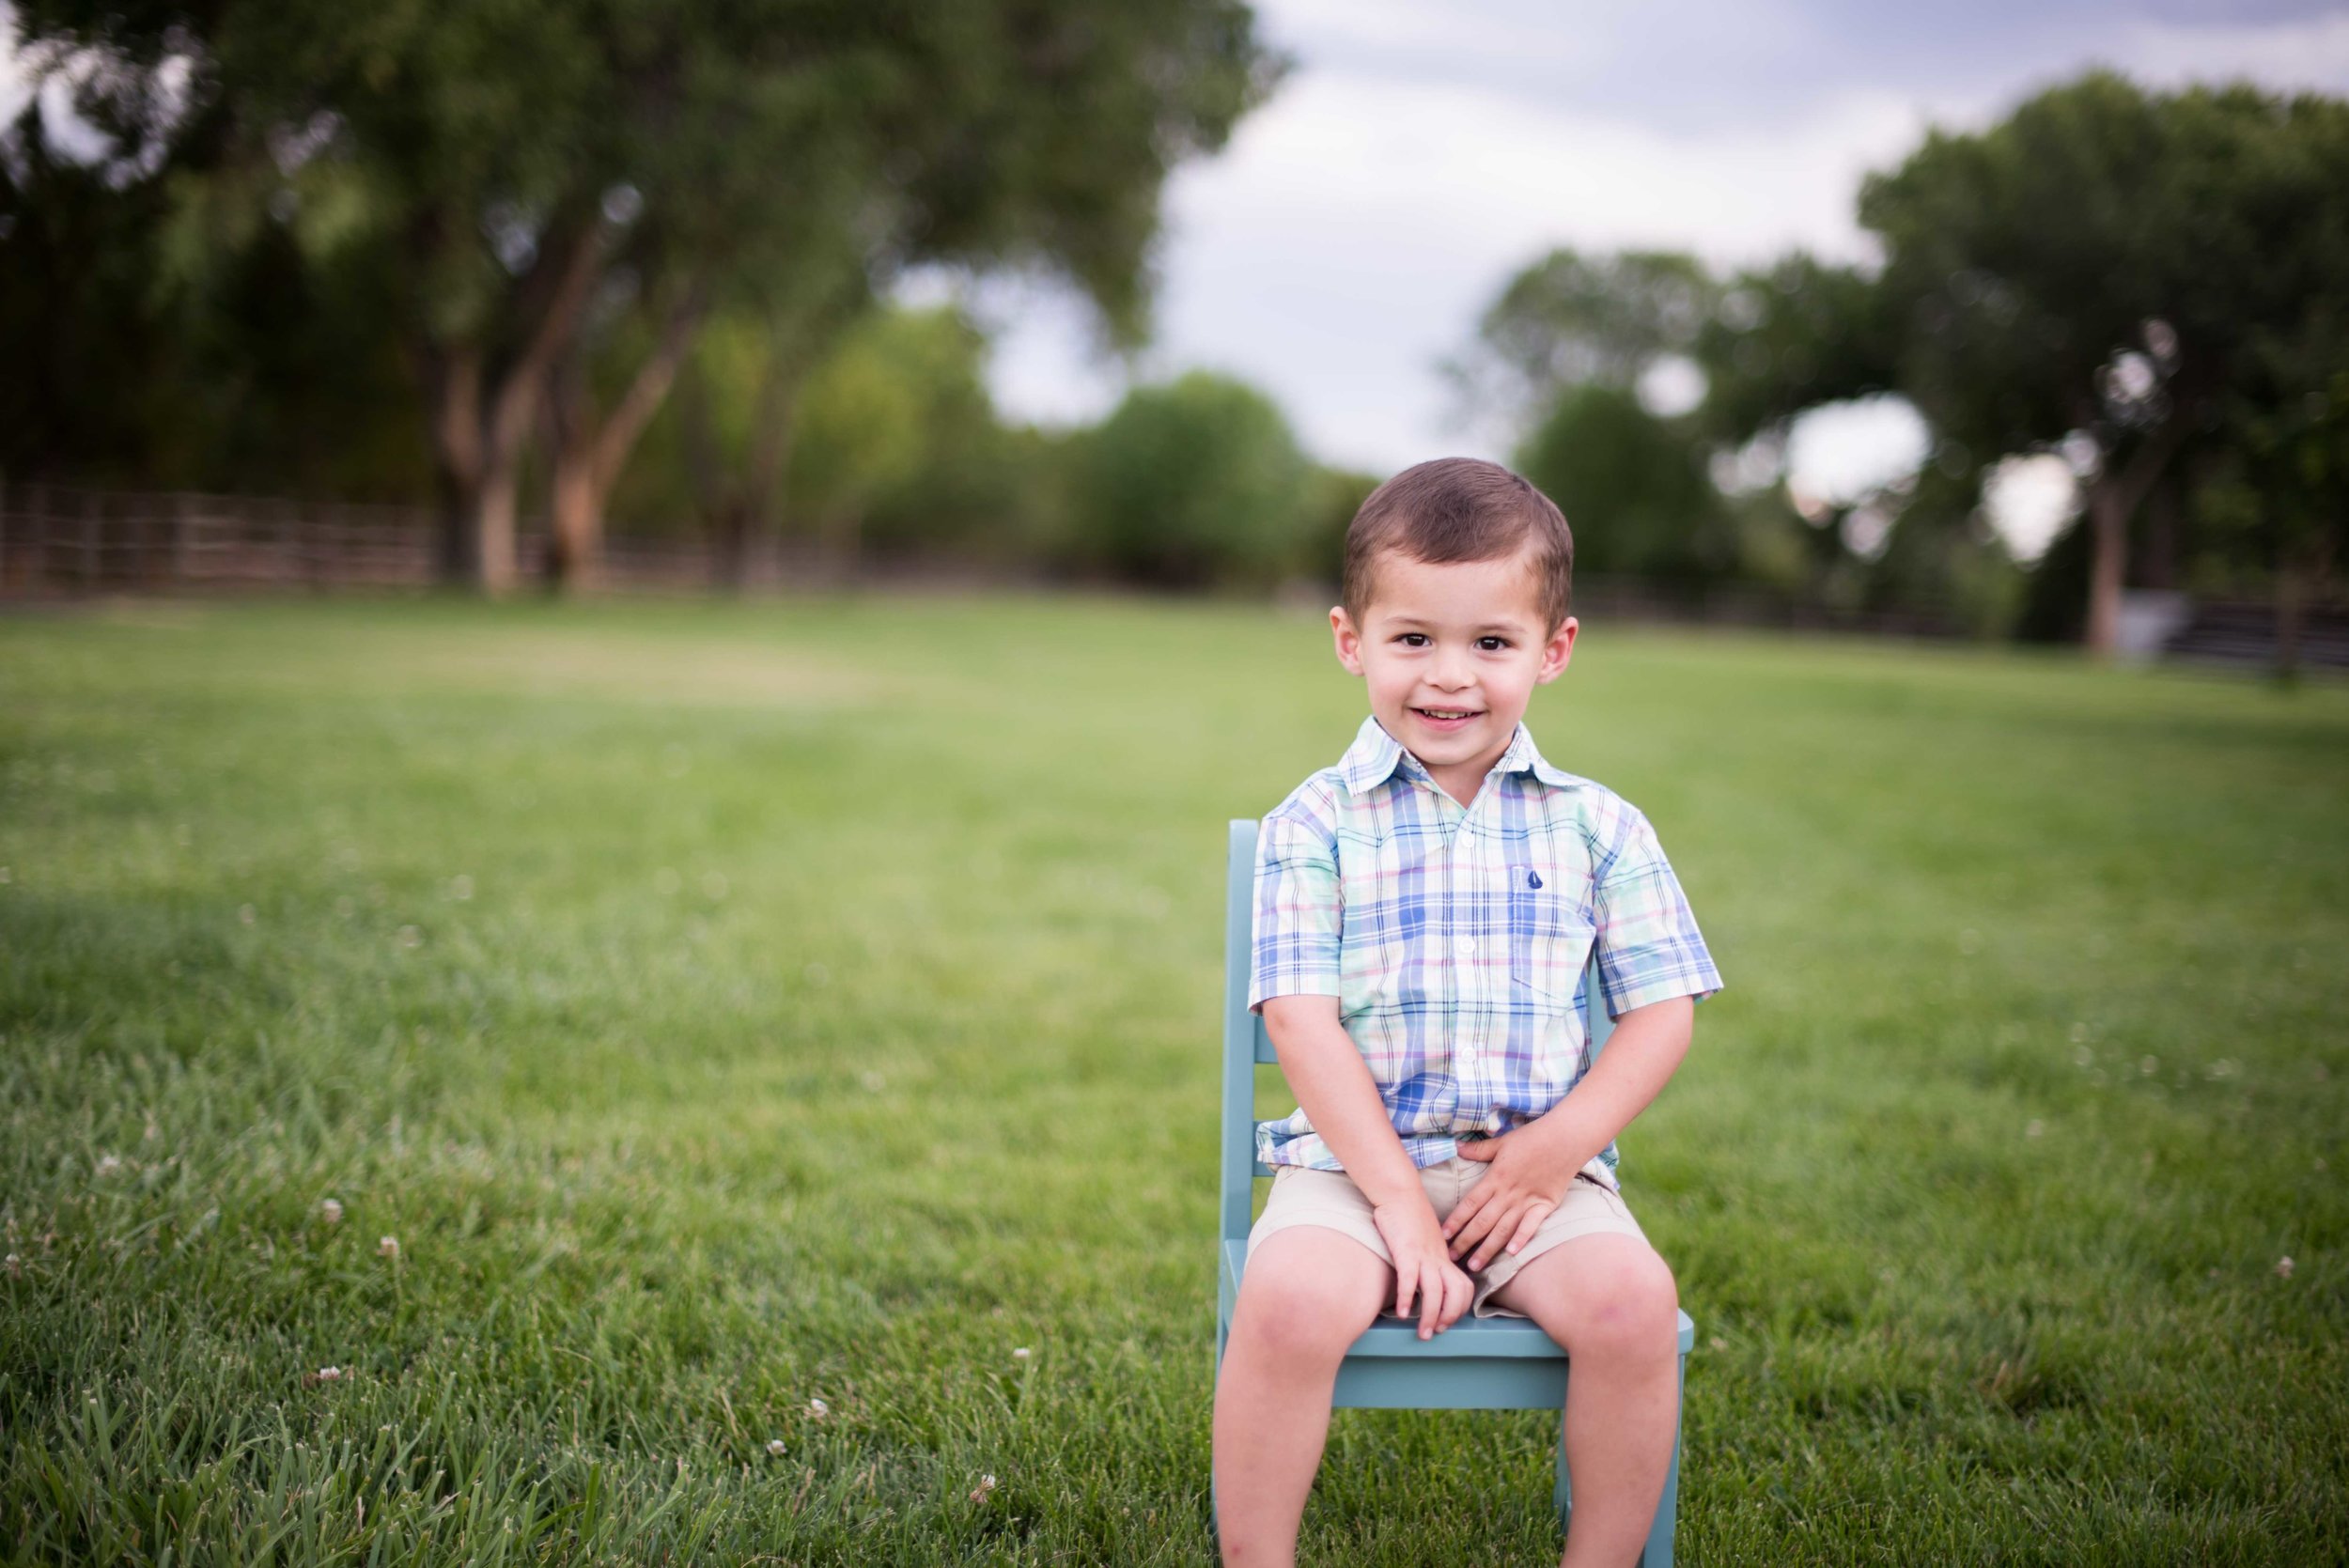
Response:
column 1451, row 674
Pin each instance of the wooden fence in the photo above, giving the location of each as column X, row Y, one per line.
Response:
column 60, row 542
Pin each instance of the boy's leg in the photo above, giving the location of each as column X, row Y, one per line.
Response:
column 1307, row 1295
column 1614, row 1304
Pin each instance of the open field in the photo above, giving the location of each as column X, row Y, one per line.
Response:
column 730, row 1008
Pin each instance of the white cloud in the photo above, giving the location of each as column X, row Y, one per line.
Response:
column 1350, row 235
column 2311, row 53
column 1347, row 239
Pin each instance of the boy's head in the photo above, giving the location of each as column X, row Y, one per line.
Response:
column 1458, row 580
column 1461, row 509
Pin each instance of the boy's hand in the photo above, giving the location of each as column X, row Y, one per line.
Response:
column 1528, row 1180
column 1421, row 1267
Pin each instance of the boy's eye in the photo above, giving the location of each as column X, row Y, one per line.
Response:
column 1412, row 639
column 1492, row 644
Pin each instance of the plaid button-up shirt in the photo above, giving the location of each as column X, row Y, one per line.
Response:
column 1456, row 938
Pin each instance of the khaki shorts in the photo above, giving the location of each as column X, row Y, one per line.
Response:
column 1331, row 1200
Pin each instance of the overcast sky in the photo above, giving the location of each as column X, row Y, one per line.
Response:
column 1419, row 154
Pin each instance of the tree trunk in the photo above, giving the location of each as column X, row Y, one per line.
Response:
column 2113, row 497
column 453, row 388
column 574, row 529
column 2108, row 537
column 590, row 451
column 481, row 419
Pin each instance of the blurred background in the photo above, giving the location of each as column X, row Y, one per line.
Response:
column 2028, row 322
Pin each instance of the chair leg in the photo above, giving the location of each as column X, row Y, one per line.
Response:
column 1563, row 1496
column 1658, row 1552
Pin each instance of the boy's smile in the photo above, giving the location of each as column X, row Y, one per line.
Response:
column 1451, row 653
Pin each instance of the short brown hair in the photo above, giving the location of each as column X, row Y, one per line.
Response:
column 1461, row 509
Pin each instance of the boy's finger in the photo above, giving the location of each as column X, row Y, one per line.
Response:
column 1430, row 1302
column 1515, row 1229
column 1476, row 1229
column 1406, row 1277
column 1458, row 1292
column 1463, row 1212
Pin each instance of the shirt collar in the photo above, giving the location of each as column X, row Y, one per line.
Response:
column 1376, row 754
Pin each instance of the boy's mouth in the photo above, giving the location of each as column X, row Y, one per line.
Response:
column 1447, row 718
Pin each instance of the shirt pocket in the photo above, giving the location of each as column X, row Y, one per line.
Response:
column 1551, row 931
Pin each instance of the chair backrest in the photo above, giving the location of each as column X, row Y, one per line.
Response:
column 1245, row 1043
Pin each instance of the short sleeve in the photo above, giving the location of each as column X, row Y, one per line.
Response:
column 1647, row 942
column 1297, row 918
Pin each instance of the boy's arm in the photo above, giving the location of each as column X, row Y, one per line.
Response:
column 1535, row 1164
column 1342, row 1100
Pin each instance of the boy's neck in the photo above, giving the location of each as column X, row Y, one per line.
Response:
column 1462, row 780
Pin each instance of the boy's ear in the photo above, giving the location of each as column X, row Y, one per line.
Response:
column 1348, row 640
column 1557, row 651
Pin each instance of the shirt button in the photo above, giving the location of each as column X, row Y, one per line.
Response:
column 1465, row 946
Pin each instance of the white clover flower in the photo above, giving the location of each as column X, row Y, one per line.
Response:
column 387, row 1247
column 1021, row 1354
column 985, row 1486
column 330, row 1375
column 12, row 1267
column 817, row 1408
column 109, row 1164
column 2283, row 1269
column 774, row 1446
column 333, row 1211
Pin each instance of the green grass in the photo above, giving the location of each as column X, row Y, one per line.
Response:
column 731, row 1007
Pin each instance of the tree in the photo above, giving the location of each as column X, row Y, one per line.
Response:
column 894, row 426
column 1193, row 483
column 1570, row 320
column 516, row 160
column 2108, row 263
column 1634, row 488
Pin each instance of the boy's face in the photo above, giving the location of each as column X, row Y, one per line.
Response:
column 1451, row 653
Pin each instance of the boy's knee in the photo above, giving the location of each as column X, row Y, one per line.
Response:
column 1309, row 1302
column 1606, row 1296
column 1635, row 1306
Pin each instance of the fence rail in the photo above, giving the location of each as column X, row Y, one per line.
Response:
column 57, row 541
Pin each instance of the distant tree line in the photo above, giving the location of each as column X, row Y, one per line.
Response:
column 2154, row 286
column 636, row 258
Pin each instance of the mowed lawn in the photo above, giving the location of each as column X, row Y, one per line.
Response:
column 729, row 1009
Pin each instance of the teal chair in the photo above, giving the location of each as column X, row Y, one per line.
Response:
column 1492, row 1363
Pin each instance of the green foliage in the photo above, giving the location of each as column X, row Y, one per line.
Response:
column 554, row 188
column 897, row 439
column 726, row 1008
column 1634, row 488
column 1332, row 496
column 1191, row 483
column 1571, row 319
column 2024, row 259
column 1789, row 337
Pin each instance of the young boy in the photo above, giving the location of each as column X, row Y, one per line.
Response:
column 1425, row 910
